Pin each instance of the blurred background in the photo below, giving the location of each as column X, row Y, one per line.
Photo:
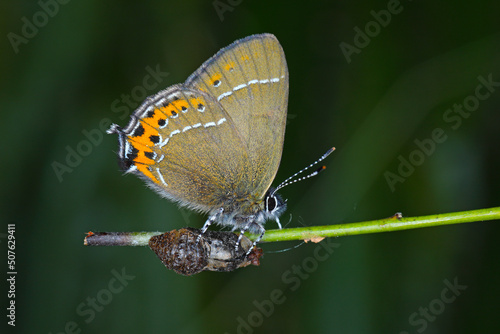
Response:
column 408, row 92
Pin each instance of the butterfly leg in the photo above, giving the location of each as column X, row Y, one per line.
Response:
column 259, row 238
column 278, row 222
column 211, row 219
column 242, row 232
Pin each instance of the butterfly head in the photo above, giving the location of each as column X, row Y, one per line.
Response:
column 274, row 206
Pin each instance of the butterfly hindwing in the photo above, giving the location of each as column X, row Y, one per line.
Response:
column 185, row 146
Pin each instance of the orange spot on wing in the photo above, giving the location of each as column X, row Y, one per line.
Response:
column 245, row 58
column 196, row 101
column 229, row 66
column 215, row 77
column 179, row 104
column 174, row 107
column 141, row 157
column 141, row 144
column 145, row 138
column 168, row 110
column 153, row 120
column 145, row 170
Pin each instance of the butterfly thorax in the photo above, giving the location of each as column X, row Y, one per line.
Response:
column 250, row 213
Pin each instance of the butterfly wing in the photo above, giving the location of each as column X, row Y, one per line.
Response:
column 217, row 139
column 249, row 79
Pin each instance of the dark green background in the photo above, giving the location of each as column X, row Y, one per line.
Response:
column 396, row 90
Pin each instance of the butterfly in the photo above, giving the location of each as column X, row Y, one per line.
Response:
column 214, row 143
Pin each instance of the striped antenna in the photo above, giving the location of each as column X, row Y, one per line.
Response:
column 316, row 172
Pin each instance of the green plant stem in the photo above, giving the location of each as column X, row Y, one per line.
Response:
column 305, row 233
column 382, row 225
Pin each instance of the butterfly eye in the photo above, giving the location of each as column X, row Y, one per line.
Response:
column 271, row 203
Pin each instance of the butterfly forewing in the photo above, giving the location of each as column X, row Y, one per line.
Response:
column 249, row 79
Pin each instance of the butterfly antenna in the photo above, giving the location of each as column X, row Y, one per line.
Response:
column 316, row 172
